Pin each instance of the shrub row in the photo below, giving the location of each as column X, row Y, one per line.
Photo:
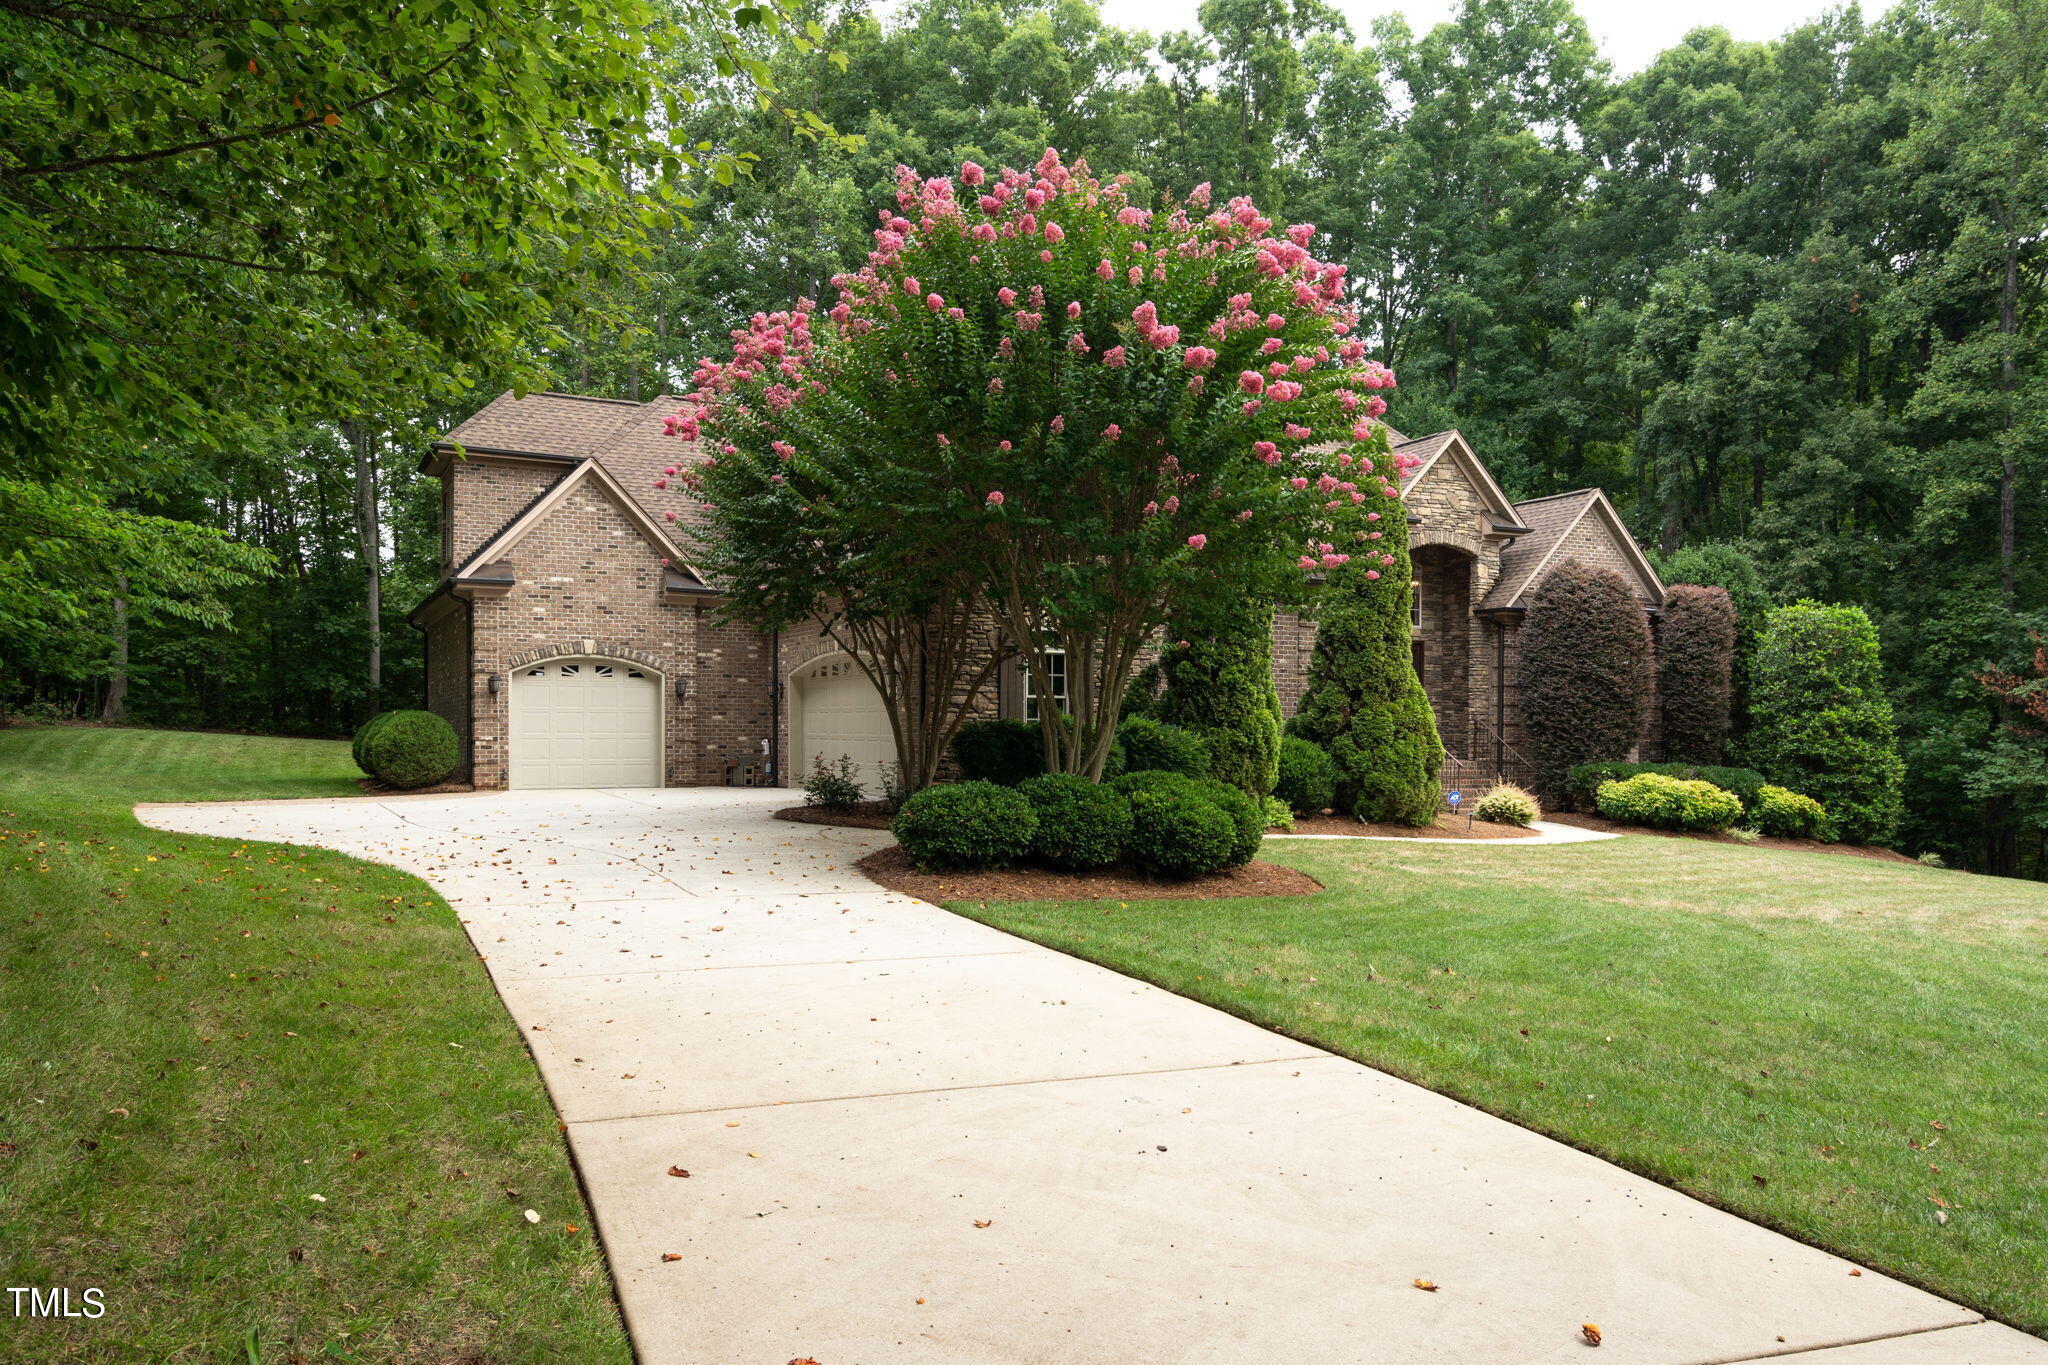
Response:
column 1168, row 823
column 1746, row 783
column 1007, row 752
column 1663, row 802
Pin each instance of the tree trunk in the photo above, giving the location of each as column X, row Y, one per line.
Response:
column 370, row 544
column 117, row 676
column 2008, row 472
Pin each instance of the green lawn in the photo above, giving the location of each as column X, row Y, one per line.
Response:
column 1851, row 1051
column 202, row 1035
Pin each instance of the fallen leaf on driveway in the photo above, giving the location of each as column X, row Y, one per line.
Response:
column 679, row 1172
column 671, row 1256
column 1429, row 1285
column 1591, row 1332
column 983, row 1222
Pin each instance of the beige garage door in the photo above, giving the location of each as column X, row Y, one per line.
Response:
column 839, row 712
column 585, row 723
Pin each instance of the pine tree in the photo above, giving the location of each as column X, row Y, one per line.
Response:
column 1364, row 704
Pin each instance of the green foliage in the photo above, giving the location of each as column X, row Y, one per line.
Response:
column 1747, row 784
column 1507, row 805
column 1219, row 683
column 1247, row 818
column 1668, row 803
column 1154, row 746
column 1732, row 568
column 1307, row 779
column 1141, row 697
column 1178, row 831
column 1276, row 813
column 1586, row 671
column 1790, row 815
column 833, row 786
column 412, row 749
column 1001, row 751
column 358, row 748
column 965, row 826
column 1081, row 824
column 1695, row 672
column 1823, row 724
column 1364, row 706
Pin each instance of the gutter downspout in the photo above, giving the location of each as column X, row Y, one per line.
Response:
column 1500, row 700
column 775, row 708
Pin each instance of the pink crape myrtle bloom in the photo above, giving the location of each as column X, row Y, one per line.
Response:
column 995, row 499
column 1252, row 382
column 1197, row 541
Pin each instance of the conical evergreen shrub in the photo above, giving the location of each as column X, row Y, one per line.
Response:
column 1364, row 705
column 1218, row 667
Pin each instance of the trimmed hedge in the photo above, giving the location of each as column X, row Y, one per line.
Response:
column 1507, row 805
column 1308, row 778
column 1081, row 824
column 1746, row 783
column 1822, row 722
column 1790, row 815
column 1364, row 705
column 1178, row 831
column 1219, row 683
column 1695, row 672
column 357, row 746
column 410, row 749
column 965, row 826
column 1731, row 566
column 1154, row 746
column 1247, row 818
column 1668, row 803
column 1004, row 752
column 1586, row 671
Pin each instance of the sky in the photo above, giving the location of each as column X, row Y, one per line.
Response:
column 1630, row 32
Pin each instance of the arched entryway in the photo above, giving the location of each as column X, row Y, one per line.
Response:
column 835, row 712
column 1443, row 639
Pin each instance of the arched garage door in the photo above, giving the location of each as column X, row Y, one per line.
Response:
column 839, row 712
column 585, row 723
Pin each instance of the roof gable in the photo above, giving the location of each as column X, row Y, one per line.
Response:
column 480, row 565
column 1449, row 450
column 1553, row 523
column 553, row 424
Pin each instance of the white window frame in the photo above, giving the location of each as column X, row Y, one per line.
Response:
column 1055, row 663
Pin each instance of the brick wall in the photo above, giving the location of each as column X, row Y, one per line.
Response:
column 448, row 655
column 486, row 494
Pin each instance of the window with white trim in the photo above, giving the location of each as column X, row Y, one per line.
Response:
column 1054, row 662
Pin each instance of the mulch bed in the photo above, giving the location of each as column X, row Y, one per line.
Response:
column 867, row 815
column 1447, row 826
column 372, row 787
column 891, row 867
column 1882, row 855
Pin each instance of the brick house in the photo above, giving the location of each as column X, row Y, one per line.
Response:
column 566, row 653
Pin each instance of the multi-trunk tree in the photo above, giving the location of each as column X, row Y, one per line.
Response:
column 1100, row 416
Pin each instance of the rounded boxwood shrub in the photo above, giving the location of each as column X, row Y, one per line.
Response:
column 1178, row 831
column 358, row 746
column 411, row 749
column 1081, row 824
column 1746, row 783
column 1247, row 817
column 1787, row 814
column 1668, row 803
column 1308, row 777
column 1507, row 805
column 1001, row 751
column 1154, row 746
column 965, row 826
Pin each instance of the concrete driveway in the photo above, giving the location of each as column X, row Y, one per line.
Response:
column 914, row 1138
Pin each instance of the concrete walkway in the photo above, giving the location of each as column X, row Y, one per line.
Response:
column 912, row 1138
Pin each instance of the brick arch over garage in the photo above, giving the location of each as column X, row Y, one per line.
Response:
column 578, row 649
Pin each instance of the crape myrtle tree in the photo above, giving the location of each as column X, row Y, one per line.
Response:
column 1586, row 669
column 1087, row 417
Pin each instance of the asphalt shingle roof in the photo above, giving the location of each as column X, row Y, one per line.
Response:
column 1549, row 520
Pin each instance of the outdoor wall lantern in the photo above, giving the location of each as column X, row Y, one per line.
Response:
column 682, row 687
column 493, row 682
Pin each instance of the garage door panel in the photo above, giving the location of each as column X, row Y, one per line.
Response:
column 840, row 713
column 585, row 723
